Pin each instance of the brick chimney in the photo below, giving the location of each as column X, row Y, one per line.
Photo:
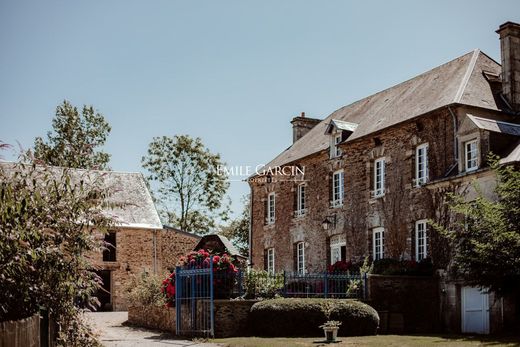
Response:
column 510, row 50
column 301, row 126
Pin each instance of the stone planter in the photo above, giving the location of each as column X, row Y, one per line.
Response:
column 331, row 333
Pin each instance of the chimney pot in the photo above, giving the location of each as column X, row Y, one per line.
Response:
column 303, row 114
column 302, row 125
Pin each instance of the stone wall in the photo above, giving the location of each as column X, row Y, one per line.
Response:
column 397, row 211
column 138, row 250
column 153, row 317
column 406, row 304
column 232, row 317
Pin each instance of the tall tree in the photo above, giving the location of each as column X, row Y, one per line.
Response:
column 486, row 239
column 75, row 139
column 187, row 183
column 237, row 231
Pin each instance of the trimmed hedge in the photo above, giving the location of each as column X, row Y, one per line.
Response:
column 302, row 317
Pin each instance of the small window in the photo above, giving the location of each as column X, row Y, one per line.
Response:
column 300, row 201
column 421, row 165
column 337, row 149
column 271, row 208
column 109, row 253
column 270, row 260
column 300, row 256
column 338, row 248
column 379, row 177
column 471, row 155
column 337, row 189
column 421, row 240
column 378, row 243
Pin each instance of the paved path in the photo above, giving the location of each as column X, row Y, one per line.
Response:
column 114, row 334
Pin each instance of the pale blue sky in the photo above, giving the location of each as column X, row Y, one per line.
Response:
column 231, row 72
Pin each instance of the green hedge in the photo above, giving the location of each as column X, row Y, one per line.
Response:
column 302, row 317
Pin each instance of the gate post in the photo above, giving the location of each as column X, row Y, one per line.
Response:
column 212, row 307
column 178, row 286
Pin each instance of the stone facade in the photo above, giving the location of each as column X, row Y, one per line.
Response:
column 138, row 250
column 452, row 119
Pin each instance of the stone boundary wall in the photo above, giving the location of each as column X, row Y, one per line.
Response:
column 231, row 317
column 21, row 333
column 406, row 304
column 153, row 317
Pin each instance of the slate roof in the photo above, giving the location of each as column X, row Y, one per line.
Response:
column 459, row 81
column 129, row 188
column 496, row 126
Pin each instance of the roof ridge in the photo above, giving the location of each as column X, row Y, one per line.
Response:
column 467, row 75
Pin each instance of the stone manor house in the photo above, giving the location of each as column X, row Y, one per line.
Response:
column 376, row 170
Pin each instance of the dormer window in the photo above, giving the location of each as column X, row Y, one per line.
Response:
column 336, row 150
column 338, row 131
column 471, row 155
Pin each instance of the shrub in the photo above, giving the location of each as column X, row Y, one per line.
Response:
column 302, row 317
column 145, row 289
column 403, row 267
column 261, row 284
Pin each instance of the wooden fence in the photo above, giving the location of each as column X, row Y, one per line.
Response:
column 21, row 333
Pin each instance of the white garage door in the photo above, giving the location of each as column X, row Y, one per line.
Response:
column 475, row 311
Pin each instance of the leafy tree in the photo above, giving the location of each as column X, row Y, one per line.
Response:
column 75, row 139
column 238, row 230
column 486, row 238
column 47, row 216
column 187, row 183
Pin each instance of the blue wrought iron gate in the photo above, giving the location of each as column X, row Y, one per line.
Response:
column 194, row 301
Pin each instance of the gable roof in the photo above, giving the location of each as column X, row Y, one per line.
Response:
column 129, row 189
column 461, row 81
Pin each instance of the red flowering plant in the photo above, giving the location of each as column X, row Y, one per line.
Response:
column 224, row 273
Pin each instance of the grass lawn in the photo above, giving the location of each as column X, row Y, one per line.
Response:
column 379, row 340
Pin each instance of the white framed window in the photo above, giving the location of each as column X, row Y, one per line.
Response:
column 471, row 155
column 270, row 260
column 300, row 201
column 421, row 240
column 379, row 177
column 300, row 257
column 421, row 165
column 271, row 202
column 378, row 243
column 338, row 247
column 337, row 188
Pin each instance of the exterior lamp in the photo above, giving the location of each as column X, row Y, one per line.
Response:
column 329, row 221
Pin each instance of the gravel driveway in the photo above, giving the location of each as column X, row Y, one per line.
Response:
column 113, row 333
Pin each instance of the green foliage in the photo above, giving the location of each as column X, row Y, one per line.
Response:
column 46, row 219
column 260, row 284
column 75, row 139
column 302, row 317
column 390, row 266
column 186, row 182
column 145, row 289
column 238, row 230
column 486, row 236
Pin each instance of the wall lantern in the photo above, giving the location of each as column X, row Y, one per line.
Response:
column 329, row 221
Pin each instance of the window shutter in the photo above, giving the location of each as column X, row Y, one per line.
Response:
column 371, row 244
column 265, row 259
column 413, row 251
column 327, row 251
column 414, row 169
column 295, row 257
column 371, row 175
column 331, row 186
column 266, row 212
column 295, row 200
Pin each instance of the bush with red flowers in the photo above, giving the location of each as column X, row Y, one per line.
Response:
column 224, row 272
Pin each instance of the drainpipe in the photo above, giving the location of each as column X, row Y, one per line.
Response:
column 250, row 260
column 455, row 143
column 155, row 252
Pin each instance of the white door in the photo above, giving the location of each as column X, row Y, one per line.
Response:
column 475, row 311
